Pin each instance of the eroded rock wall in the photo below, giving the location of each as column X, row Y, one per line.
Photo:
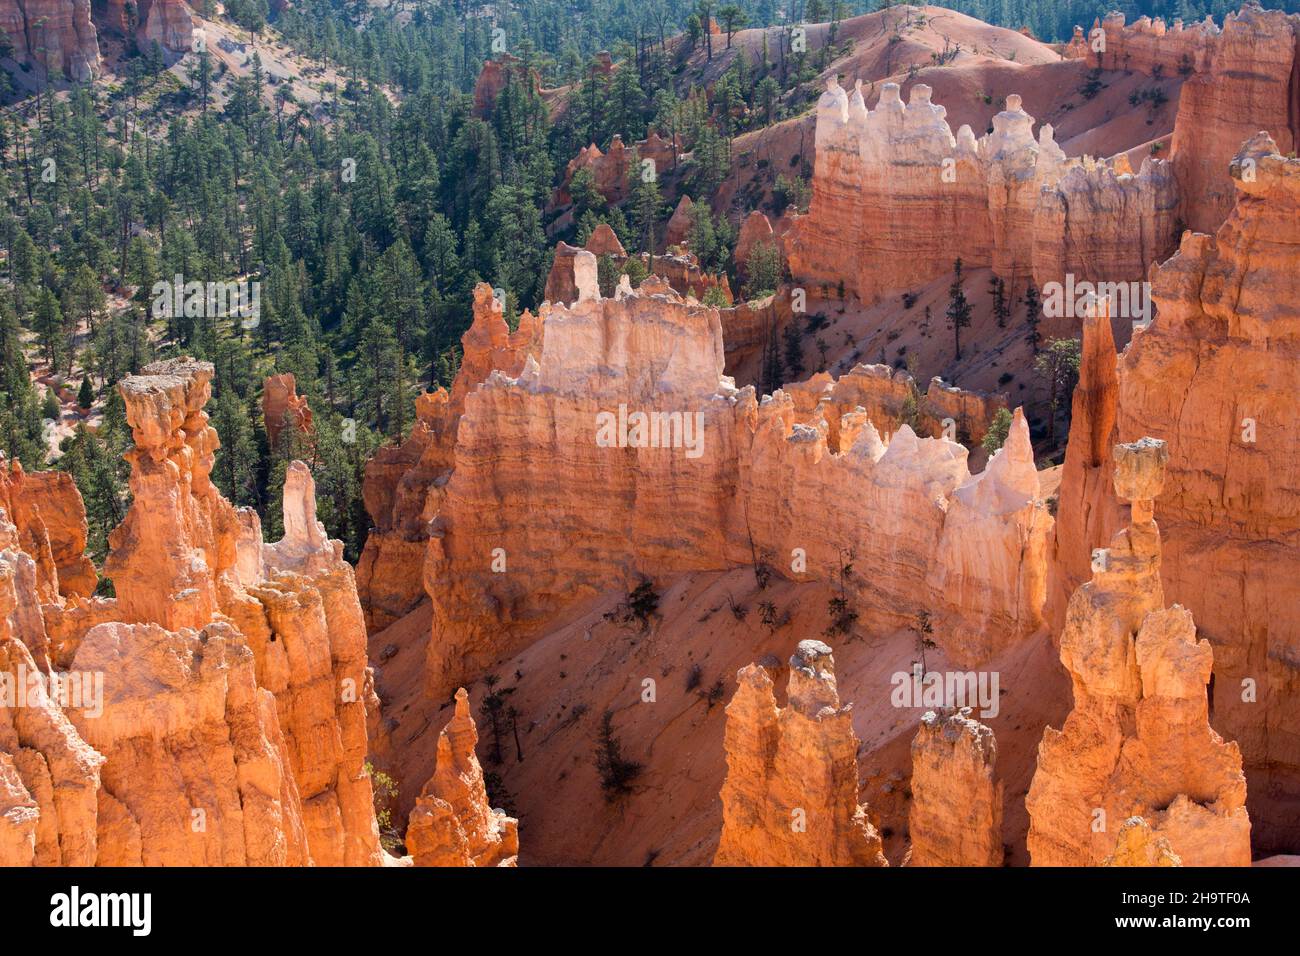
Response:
column 897, row 178
column 1206, row 377
column 215, row 711
column 1138, row 742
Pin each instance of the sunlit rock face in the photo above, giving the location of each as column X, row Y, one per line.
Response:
column 791, row 793
column 1206, row 377
column 897, row 198
column 955, row 817
column 255, row 651
column 452, row 823
column 612, row 447
column 1138, row 741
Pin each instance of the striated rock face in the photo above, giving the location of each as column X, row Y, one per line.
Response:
column 1204, row 377
column 452, row 824
column 401, row 480
column 632, row 454
column 1146, row 45
column 63, row 35
column 162, row 800
column 1087, row 514
column 283, row 407
column 1138, row 741
column 255, row 652
column 49, row 775
column 897, row 178
column 167, row 22
column 166, row 555
column 790, row 797
column 55, row 35
column 46, row 506
column 955, row 817
column 1240, row 80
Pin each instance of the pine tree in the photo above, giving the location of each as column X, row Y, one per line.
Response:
column 959, row 309
column 1033, row 315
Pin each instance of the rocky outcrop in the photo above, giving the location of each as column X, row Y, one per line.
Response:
column 702, row 477
column 494, row 76
column 283, row 407
column 1249, row 84
column 1139, row 845
column 609, row 169
column 679, row 269
column 1087, row 514
column 166, row 22
column 46, row 507
column 890, row 398
column 452, row 824
column 49, row 775
column 256, row 651
column 1138, row 741
column 162, row 800
column 791, row 793
column 400, row 479
column 756, row 230
column 955, row 818
column 897, row 178
column 63, row 35
column 680, row 223
column 54, row 35
column 1204, row 377
column 1146, row 45
column 1238, row 80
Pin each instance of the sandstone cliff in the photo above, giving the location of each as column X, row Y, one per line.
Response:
column 256, row 650
column 1138, row 741
column 452, row 824
column 54, row 35
column 1239, row 80
column 63, row 35
column 713, row 479
column 791, row 793
column 1204, row 377
column 47, row 507
column 897, row 178
column 956, row 812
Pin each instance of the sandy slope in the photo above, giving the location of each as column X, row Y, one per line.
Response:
column 585, row 665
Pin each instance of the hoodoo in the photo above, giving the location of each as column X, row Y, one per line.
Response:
column 791, row 793
column 1138, row 742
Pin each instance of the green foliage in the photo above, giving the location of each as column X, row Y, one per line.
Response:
column 959, row 308
column 1058, row 365
column 764, row 270
column 617, row 773
column 999, row 428
column 385, row 791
